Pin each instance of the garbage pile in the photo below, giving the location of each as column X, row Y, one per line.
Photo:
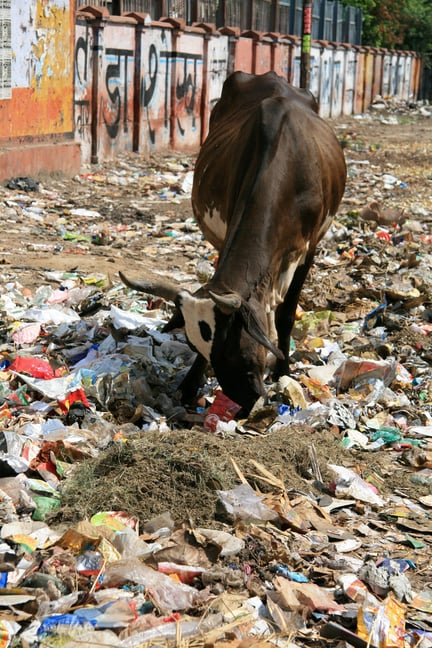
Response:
column 334, row 550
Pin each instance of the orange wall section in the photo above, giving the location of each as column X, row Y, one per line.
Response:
column 44, row 106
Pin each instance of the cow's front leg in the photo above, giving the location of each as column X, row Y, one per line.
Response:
column 193, row 379
column 285, row 316
column 176, row 321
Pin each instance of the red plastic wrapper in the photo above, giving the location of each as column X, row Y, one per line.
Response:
column 222, row 409
column 76, row 396
column 36, row 367
column 384, row 236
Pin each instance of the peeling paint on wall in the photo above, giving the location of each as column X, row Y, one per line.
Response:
column 5, row 50
column 179, row 74
column 41, row 100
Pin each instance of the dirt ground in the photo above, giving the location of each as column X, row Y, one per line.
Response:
column 180, row 471
column 135, row 215
column 402, row 149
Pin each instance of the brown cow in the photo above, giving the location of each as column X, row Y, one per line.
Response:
column 268, row 180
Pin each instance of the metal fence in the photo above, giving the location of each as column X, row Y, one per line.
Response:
column 331, row 20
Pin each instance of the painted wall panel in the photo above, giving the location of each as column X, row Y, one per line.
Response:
column 262, row 56
column 405, row 71
column 83, row 105
column 377, row 73
column 216, row 67
column 295, row 75
column 155, row 89
column 368, row 79
column 350, row 81
column 360, row 81
column 337, row 82
column 115, row 96
column 120, row 84
column 326, row 81
column 282, row 59
column 243, row 55
column 181, row 74
column 186, row 77
column 386, row 75
column 315, row 70
column 5, row 49
column 42, row 41
column 394, row 70
column 407, row 91
column 399, row 80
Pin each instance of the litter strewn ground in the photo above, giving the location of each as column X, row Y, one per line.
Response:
column 128, row 519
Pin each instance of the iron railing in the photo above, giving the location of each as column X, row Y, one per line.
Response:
column 332, row 21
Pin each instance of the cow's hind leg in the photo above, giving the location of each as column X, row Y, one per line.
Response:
column 285, row 315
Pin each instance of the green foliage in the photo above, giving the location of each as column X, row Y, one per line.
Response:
column 396, row 24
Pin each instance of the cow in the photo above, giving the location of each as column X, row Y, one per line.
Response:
column 268, row 180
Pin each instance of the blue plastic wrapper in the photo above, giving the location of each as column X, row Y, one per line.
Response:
column 100, row 617
column 282, row 570
column 287, row 409
column 4, row 364
column 61, row 623
column 396, row 565
column 370, row 319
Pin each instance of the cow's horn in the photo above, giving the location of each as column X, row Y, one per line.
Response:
column 228, row 302
column 158, row 288
column 254, row 328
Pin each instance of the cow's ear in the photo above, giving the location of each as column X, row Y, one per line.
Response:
column 228, row 303
column 255, row 330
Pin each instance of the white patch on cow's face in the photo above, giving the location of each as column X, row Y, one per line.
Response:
column 213, row 222
column 200, row 322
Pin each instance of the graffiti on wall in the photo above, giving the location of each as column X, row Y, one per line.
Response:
column 314, row 73
column 171, row 83
column 115, row 99
column 325, row 95
column 217, row 69
column 148, row 89
column 83, row 88
column 169, row 94
column 349, row 89
column 187, row 88
column 337, row 83
column 153, row 95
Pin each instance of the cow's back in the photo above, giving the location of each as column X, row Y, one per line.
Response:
column 242, row 91
column 258, row 117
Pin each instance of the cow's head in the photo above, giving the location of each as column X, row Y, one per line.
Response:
column 226, row 330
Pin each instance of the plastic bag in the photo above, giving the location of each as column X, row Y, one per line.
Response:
column 383, row 627
column 222, row 409
column 350, row 484
column 244, row 504
column 166, row 594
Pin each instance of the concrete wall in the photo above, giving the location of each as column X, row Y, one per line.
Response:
column 83, row 88
column 36, row 88
column 179, row 72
